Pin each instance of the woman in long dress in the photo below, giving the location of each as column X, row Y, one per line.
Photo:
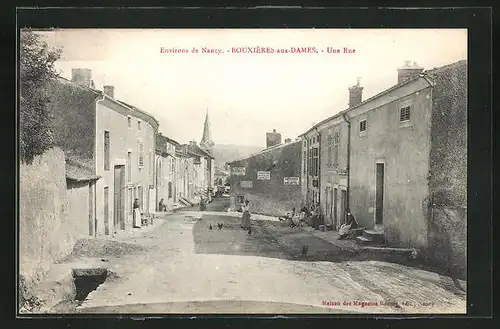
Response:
column 137, row 214
column 245, row 217
column 351, row 224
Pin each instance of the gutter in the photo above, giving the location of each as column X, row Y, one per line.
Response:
column 319, row 166
column 344, row 115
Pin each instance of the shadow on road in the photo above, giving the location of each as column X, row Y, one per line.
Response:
column 233, row 240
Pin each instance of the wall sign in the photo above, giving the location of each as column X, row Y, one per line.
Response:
column 263, row 175
column 291, row 181
column 238, row 171
column 246, row 184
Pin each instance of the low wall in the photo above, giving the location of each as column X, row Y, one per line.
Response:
column 46, row 232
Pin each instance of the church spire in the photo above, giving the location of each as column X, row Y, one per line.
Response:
column 206, row 140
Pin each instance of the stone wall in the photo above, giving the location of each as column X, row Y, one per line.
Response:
column 46, row 232
column 448, row 168
column 270, row 197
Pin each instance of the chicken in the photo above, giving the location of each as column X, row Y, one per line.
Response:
column 249, row 230
column 210, row 226
column 219, row 225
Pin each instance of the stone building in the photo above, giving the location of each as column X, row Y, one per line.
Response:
column 166, row 161
column 401, row 158
column 270, row 179
column 114, row 140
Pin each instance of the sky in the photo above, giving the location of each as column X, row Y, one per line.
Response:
column 248, row 94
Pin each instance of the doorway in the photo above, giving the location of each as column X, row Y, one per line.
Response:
column 140, row 196
column 343, row 199
column 119, row 198
column 379, row 194
column 331, row 207
column 335, row 214
column 91, row 211
column 106, row 210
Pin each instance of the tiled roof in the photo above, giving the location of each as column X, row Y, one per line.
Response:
column 195, row 149
column 274, row 147
column 219, row 171
column 79, row 172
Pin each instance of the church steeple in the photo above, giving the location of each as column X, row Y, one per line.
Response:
column 206, row 140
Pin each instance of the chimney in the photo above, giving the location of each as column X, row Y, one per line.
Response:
column 109, row 91
column 408, row 71
column 288, row 140
column 355, row 94
column 273, row 138
column 83, row 77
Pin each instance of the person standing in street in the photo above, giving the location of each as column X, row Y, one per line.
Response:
column 245, row 217
column 137, row 214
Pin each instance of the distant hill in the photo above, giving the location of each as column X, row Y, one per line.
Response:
column 229, row 152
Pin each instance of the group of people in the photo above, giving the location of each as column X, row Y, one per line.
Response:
column 312, row 216
column 305, row 215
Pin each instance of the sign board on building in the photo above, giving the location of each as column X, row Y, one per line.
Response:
column 291, row 181
column 263, row 175
column 246, row 184
column 238, row 171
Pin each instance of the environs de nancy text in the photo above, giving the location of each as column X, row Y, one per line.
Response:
column 259, row 50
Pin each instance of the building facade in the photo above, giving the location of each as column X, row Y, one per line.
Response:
column 391, row 154
column 114, row 139
column 270, row 180
column 166, row 162
column 181, row 174
column 203, row 169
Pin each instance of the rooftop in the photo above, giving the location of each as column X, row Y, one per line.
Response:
column 101, row 93
column 428, row 73
column 274, row 147
column 78, row 172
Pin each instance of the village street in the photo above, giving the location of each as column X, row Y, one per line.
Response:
column 187, row 268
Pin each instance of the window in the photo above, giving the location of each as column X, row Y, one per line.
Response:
column 170, row 190
column 151, row 167
column 106, row 150
column 362, row 126
column 315, row 161
column 172, row 170
column 129, row 166
column 129, row 121
column 330, row 153
column 305, row 162
column 139, row 125
column 140, row 152
column 336, row 140
column 404, row 114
